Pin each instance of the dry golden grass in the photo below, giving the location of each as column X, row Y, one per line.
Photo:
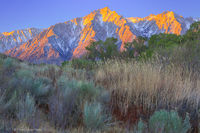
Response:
column 78, row 74
column 149, row 84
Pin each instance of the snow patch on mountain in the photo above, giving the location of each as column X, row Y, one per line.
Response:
column 12, row 39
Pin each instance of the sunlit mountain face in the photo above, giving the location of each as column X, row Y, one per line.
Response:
column 166, row 22
column 12, row 39
column 67, row 40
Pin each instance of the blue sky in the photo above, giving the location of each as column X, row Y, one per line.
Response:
column 19, row 14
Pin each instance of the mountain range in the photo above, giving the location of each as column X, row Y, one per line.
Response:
column 64, row 41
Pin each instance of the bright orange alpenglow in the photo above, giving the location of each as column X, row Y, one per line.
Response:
column 166, row 21
column 88, row 32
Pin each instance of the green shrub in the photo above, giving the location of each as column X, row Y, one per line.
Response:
column 104, row 97
column 141, row 127
column 93, row 116
column 9, row 103
column 42, row 87
column 85, row 90
column 193, row 34
column 164, row 41
column 168, row 122
column 9, row 63
column 19, row 85
column 103, row 50
column 136, row 48
column 9, row 66
column 22, row 79
column 25, row 81
column 161, row 44
column 23, row 73
column 80, row 64
column 195, row 27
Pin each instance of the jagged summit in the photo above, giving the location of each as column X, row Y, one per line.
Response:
column 67, row 40
column 166, row 22
column 168, row 12
column 105, row 10
column 161, row 16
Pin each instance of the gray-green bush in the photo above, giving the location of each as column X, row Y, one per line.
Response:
column 94, row 117
column 9, row 63
column 168, row 122
column 141, row 127
column 87, row 91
